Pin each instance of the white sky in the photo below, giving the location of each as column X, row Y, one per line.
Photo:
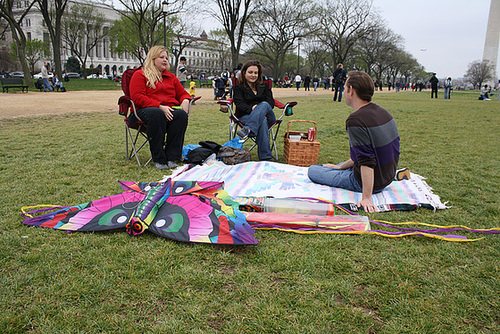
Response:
column 452, row 32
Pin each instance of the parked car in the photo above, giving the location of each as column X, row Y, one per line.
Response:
column 97, row 76
column 17, row 74
column 73, row 75
column 39, row 75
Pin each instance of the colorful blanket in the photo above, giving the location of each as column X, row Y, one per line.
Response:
column 260, row 179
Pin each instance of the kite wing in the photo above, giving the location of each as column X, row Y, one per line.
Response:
column 107, row 213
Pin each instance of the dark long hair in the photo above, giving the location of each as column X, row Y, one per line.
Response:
column 241, row 78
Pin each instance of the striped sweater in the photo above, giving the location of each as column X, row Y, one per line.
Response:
column 374, row 142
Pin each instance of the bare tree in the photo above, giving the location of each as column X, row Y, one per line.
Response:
column 316, row 56
column 275, row 26
column 233, row 15
column 83, row 31
column 15, row 24
column 52, row 12
column 218, row 41
column 342, row 23
column 479, row 72
column 374, row 49
column 142, row 23
column 182, row 33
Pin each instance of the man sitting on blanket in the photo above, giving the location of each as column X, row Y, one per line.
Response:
column 374, row 146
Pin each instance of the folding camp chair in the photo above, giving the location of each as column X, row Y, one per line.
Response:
column 126, row 106
column 235, row 123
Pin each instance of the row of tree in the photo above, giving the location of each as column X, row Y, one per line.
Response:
column 351, row 32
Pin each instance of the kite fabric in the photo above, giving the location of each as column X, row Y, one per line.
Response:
column 188, row 211
column 271, row 179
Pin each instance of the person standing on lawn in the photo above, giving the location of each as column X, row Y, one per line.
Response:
column 45, row 77
column 374, row 146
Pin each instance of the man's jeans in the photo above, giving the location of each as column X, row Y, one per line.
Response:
column 46, row 85
column 258, row 121
column 338, row 178
column 339, row 88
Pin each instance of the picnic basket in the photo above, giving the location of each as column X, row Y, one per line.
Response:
column 302, row 152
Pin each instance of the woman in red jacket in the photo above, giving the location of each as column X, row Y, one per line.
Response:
column 155, row 91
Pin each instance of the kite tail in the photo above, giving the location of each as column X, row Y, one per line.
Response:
column 430, row 233
column 48, row 207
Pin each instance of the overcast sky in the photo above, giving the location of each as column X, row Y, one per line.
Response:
column 444, row 35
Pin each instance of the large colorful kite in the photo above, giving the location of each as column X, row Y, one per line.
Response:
column 187, row 211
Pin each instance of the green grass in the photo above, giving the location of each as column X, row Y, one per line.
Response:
column 54, row 282
column 92, row 84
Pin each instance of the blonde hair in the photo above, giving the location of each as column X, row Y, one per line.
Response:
column 149, row 69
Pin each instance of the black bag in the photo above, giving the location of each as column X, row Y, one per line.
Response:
column 210, row 145
column 63, row 89
column 200, row 154
column 233, row 156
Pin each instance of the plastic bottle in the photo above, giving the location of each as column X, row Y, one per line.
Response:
column 297, row 206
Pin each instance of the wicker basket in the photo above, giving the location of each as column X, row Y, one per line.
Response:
column 303, row 152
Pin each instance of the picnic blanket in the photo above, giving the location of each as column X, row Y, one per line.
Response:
column 260, row 179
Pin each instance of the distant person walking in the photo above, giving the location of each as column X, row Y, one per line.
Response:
column 434, row 85
column 307, row 82
column 339, row 76
column 45, row 77
column 182, row 71
column 447, row 88
column 315, row 82
column 298, row 81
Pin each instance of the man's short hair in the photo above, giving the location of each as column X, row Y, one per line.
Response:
column 362, row 84
column 182, row 58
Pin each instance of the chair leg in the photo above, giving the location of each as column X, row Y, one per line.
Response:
column 133, row 151
column 272, row 138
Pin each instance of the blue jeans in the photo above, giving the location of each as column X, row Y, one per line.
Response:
column 339, row 88
column 258, row 122
column 447, row 91
column 338, row 178
column 46, row 85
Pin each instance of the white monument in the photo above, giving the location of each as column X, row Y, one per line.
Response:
column 491, row 43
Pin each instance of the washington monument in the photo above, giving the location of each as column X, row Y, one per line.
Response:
column 491, row 43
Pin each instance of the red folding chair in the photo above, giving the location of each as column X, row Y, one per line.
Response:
column 126, row 106
column 235, row 123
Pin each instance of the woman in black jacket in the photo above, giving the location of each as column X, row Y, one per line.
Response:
column 254, row 106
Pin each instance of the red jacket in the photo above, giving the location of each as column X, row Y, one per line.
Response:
column 169, row 92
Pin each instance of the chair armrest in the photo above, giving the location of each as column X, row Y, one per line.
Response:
column 196, row 98
column 284, row 107
column 225, row 102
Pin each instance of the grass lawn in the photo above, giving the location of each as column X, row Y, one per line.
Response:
column 54, row 282
column 91, row 84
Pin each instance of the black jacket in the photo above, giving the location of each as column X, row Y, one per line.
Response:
column 245, row 99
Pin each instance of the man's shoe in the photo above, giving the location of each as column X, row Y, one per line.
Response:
column 161, row 166
column 403, row 174
column 244, row 133
column 172, row 164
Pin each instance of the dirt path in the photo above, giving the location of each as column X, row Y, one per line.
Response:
column 20, row 104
